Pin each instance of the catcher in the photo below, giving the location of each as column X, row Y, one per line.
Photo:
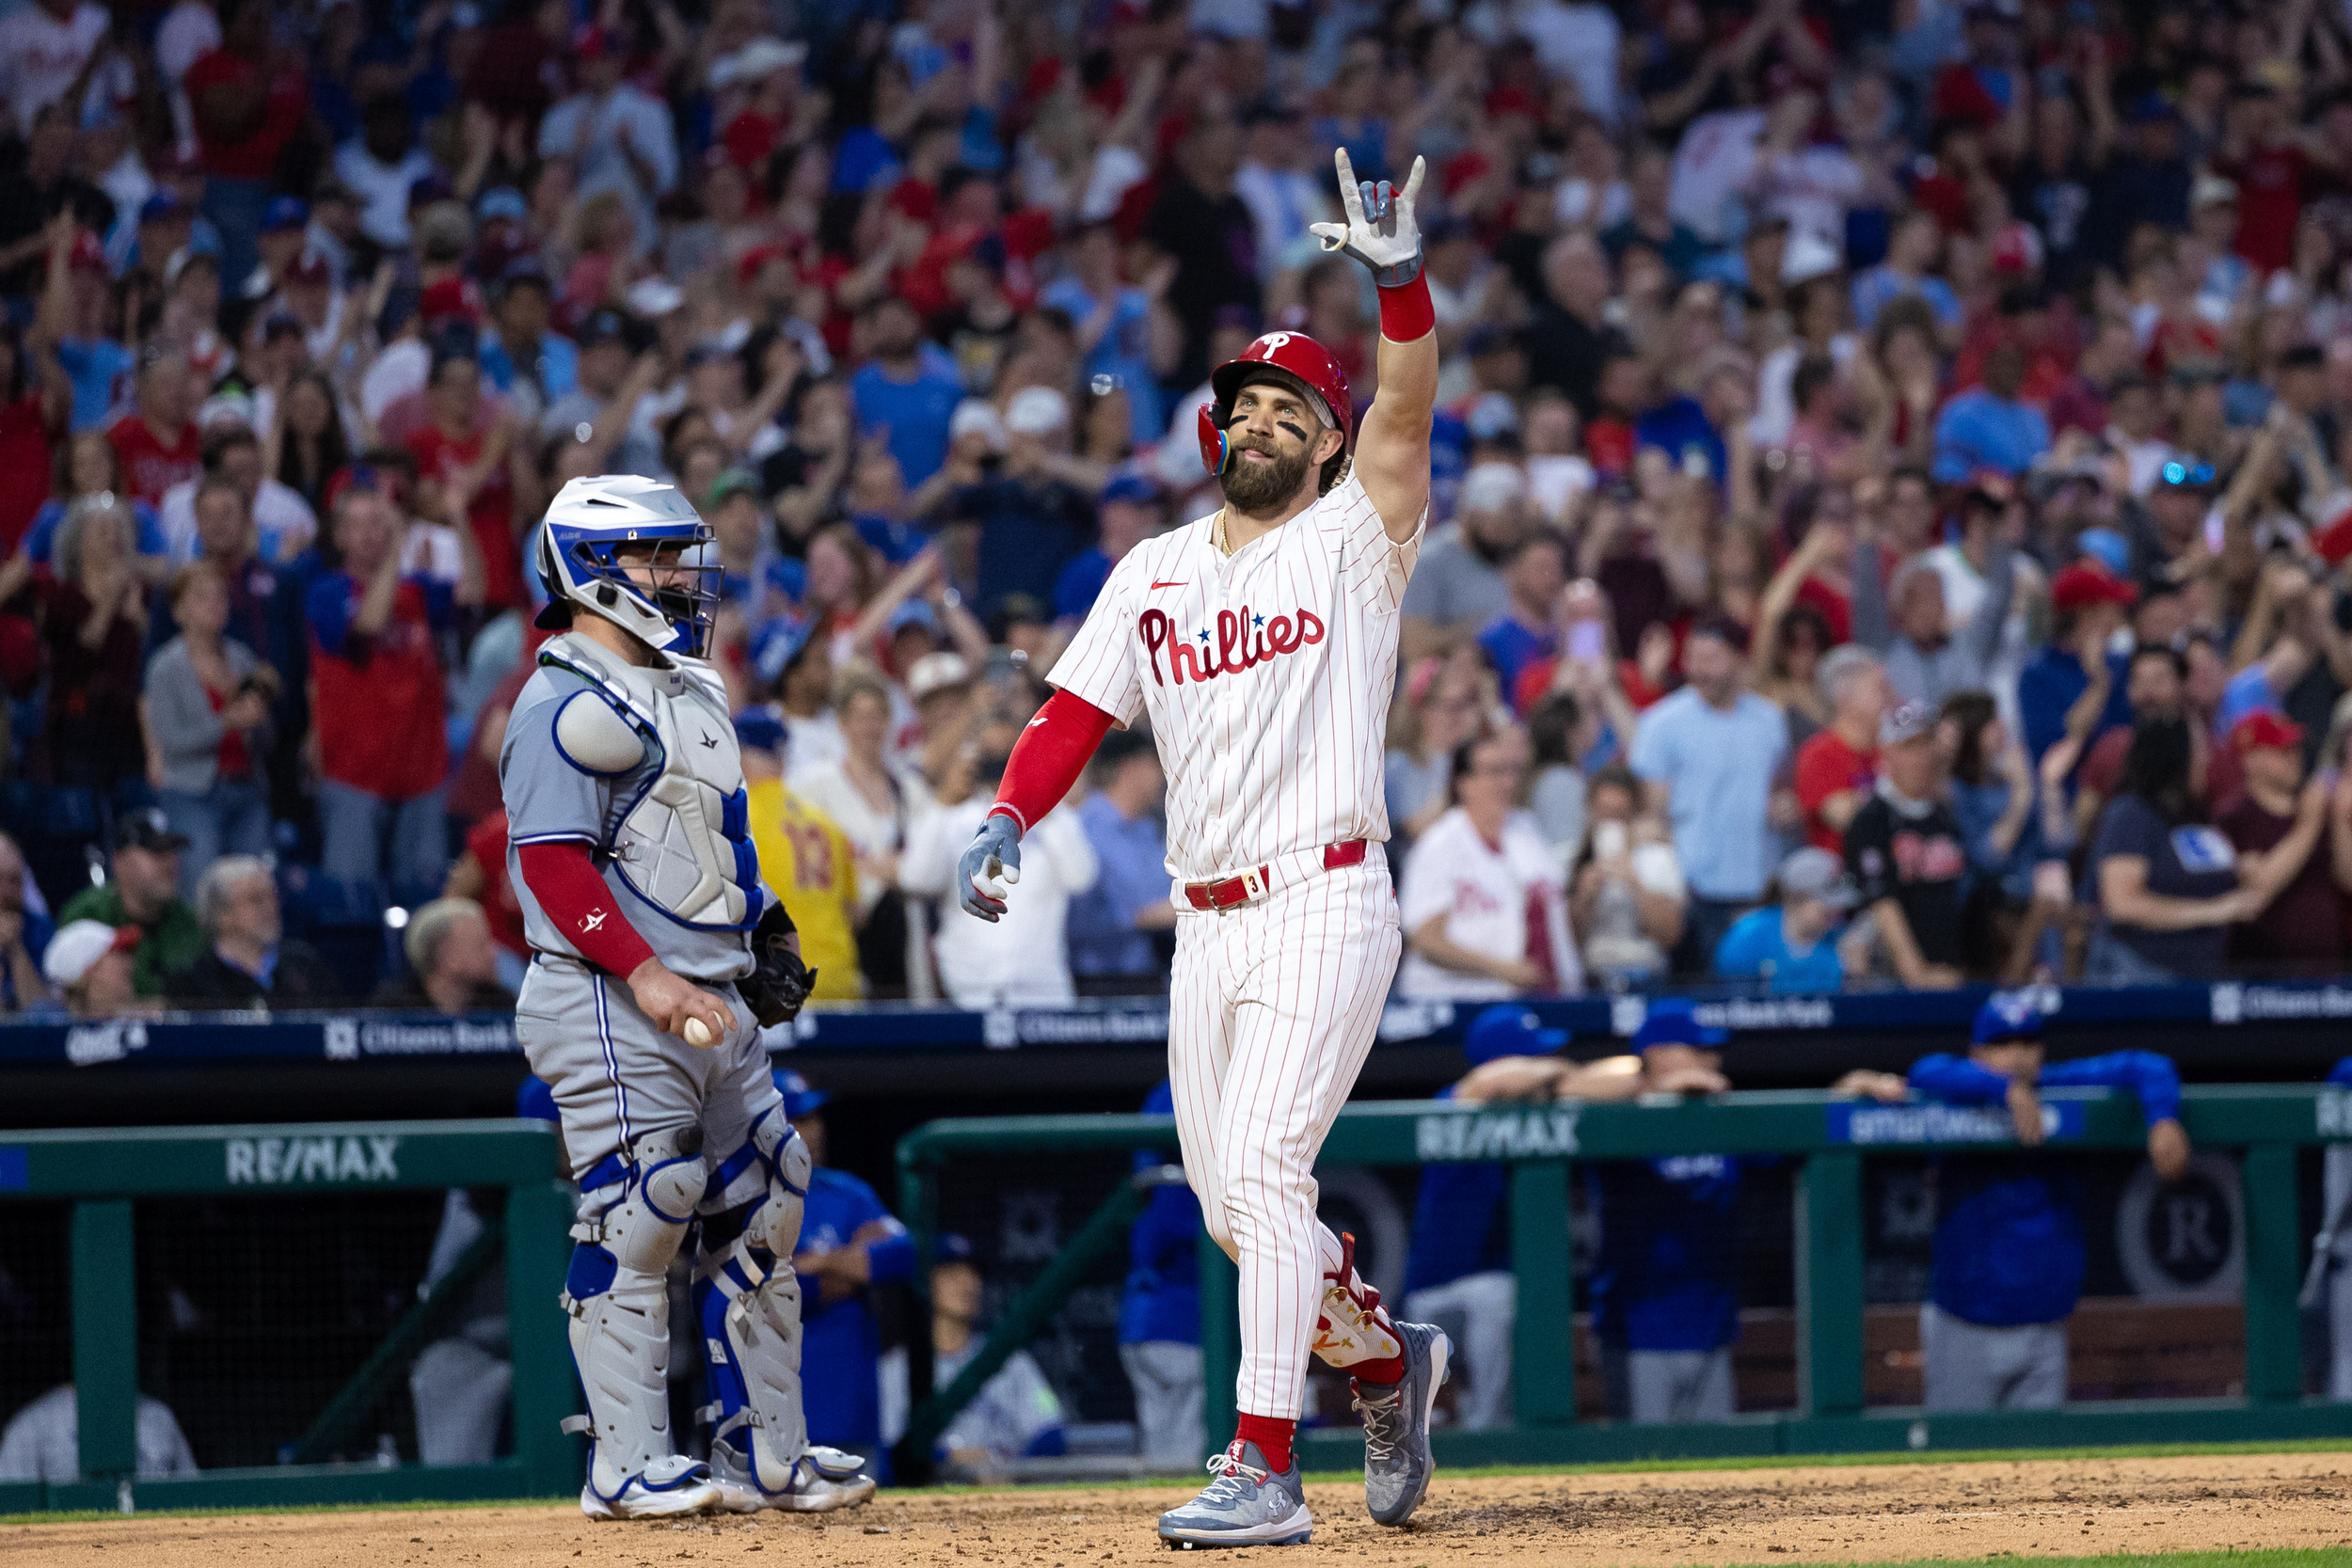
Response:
column 656, row 957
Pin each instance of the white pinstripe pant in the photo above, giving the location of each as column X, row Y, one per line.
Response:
column 1273, row 1008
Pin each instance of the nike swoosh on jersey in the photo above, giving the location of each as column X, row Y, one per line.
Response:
column 1171, row 585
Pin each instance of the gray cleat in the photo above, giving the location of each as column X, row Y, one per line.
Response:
column 1397, row 1425
column 1245, row 1505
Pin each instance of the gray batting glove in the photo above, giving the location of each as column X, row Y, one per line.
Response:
column 1381, row 230
column 989, row 867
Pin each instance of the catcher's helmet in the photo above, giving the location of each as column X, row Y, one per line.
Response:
column 576, row 553
column 1291, row 356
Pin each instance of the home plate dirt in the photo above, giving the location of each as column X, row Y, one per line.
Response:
column 1829, row 1514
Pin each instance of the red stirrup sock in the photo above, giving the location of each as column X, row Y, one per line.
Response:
column 1048, row 758
column 1406, row 311
column 1273, row 1438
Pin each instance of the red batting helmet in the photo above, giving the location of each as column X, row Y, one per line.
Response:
column 1298, row 358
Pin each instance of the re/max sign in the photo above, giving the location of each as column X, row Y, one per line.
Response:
column 283, row 1160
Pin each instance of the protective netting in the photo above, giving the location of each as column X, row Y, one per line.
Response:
column 35, row 1302
column 255, row 1313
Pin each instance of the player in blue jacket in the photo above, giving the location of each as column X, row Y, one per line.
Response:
column 1461, row 1256
column 849, row 1242
column 2009, row 1236
column 2332, row 1251
column 1664, row 1291
column 1159, row 1314
column 1459, row 1265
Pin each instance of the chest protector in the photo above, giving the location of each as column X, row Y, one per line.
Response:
column 681, row 837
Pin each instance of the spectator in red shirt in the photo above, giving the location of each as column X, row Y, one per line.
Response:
column 377, row 696
column 470, row 463
column 157, row 442
column 32, row 416
column 2291, row 828
column 1838, row 768
column 2268, row 167
column 478, row 873
column 249, row 99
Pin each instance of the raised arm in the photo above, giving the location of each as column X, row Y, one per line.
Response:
column 1393, row 441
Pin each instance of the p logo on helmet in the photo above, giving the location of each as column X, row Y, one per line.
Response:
column 1301, row 360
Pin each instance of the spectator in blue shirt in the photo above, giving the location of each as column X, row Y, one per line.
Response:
column 1129, row 510
column 2089, row 605
column 1910, row 270
column 1159, row 1312
column 1114, row 925
column 521, row 349
column 1686, row 424
column 850, row 1242
column 1535, row 576
column 1114, row 322
column 1032, row 521
column 2009, row 1234
column 1792, row 946
column 908, row 391
column 1710, row 759
column 1986, row 427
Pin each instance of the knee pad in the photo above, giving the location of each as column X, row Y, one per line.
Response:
column 775, row 1224
column 637, row 1207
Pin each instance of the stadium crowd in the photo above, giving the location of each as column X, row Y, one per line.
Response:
column 1891, row 472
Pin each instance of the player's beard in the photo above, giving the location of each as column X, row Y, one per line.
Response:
column 1255, row 487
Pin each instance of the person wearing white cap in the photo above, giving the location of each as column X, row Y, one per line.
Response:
column 89, row 963
column 1794, row 945
column 940, row 686
column 1458, row 588
column 1033, row 518
column 2213, row 217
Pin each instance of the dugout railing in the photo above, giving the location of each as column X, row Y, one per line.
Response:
column 1827, row 1137
column 102, row 1174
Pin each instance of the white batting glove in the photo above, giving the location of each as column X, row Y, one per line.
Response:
column 1380, row 230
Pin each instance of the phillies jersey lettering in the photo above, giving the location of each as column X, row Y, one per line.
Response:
column 1270, row 726
column 1282, row 635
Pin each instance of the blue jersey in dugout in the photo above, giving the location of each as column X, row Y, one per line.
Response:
column 841, row 1344
column 2009, row 1233
column 1666, row 1277
column 1162, row 1301
column 1461, row 1225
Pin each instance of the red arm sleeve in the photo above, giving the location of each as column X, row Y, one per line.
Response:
column 1048, row 757
column 565, row 880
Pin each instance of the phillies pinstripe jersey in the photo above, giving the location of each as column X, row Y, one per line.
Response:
column 1267, row 675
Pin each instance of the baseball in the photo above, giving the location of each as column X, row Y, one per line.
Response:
column 697, row 1031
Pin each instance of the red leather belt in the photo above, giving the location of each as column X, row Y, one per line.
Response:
column 1253, row 884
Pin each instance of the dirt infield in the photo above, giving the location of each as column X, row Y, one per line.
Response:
column 1827, row 1513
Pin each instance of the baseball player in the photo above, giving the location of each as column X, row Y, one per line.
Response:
column 2009, row 1234
column 1260, row 641
column 2328, row 1278
column 656, row 955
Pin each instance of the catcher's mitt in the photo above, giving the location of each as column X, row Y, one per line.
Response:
column 779, row 981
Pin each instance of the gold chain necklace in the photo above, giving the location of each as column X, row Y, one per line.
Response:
column 1219, row 537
